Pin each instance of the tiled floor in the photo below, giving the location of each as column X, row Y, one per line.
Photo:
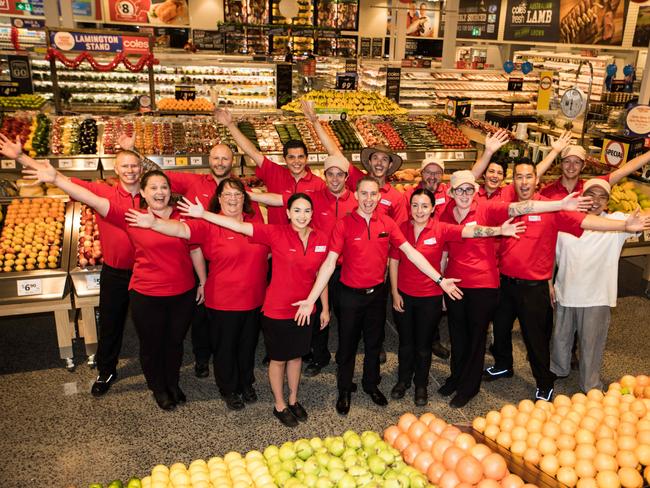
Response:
column 55, row 434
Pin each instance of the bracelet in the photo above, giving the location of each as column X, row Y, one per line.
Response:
column 201, row 284
column 439, row 280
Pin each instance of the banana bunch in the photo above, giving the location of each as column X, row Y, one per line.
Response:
column 625, row 197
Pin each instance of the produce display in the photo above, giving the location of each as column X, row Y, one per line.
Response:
column 345, row 136
column 626, row 197
column 196, row 105
column 38, row 141
column 22, row 102
column 248, row 129
column 17, row 125
column 485, row 127
column 70, row 136
column 32, row 235
column 448, row 134
column 287, row 132
column 416, row 134
column 598, row 439
column 639, row 385
column 352, row 102
column 89, row 248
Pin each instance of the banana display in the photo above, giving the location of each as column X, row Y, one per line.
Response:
column 625, row 197
column 352, row 102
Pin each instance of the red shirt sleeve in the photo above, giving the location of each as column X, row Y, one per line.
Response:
column 263, row 234
column 393, row 253
column 355, row 174
column 115, row 215
column 570, row 222
column 605, row 177
column 496, row 213
column 337, row 238
column 396, row 236
column 451, row 232
column 268, row 171
column 199, row 231
column 181, row 182
column 101, row 189
column 400, row 213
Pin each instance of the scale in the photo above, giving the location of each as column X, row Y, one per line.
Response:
column 574, row 102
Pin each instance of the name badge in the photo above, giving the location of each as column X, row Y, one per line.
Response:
column 357, row 238
column 469, row 224
column 324, row 213
column 229, row 238
column 534, row 218
column 440, row 201
column 320, row 249
column 430, row 242
column 383, row 201
column 292, row 250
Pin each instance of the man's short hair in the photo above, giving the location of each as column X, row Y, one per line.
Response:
column 368, row 178
column 294, row 144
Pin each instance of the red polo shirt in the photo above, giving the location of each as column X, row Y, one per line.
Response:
column 430, row 243
column 294, row 266
column 238, row 268
column 116, row 246
column 328, row 209
column 502, row 194
column 278, row 179
column 441, row 198
column 391, row 201
column 203, row 186
column 557, row 191
column 474, row 261
column 532, row 256
column 163, row 266
column 364, row 247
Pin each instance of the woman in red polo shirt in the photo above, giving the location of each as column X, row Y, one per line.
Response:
column 162, row 284
column 417, row 301
column 297, row 252
column 234, row 290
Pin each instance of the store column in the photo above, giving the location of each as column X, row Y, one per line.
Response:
column 449, row 40
column 644, row 92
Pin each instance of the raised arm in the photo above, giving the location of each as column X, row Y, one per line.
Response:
column 128, row 144
column 448, row 285
column 268, row 199
column 636, row 222
column 47, row 174
column 556, row 148
column 324, row 273
column 325, row 139
column 196, row 210
column 14, row 150
column 148, row 220
column 629, row 168
column 223, row 116
column 493, row 143
column 572, row 203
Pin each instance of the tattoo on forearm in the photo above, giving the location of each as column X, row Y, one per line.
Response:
column 480, row 231
column 520, row 208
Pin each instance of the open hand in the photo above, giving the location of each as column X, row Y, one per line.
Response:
column 576, row 203
column 140, row 219
column 223, row 116
column 189, row 209
column 496, row 141
column 448, row 285
column 308, row 111
column 126, row 142
column 511, row 230
column 561, row 142
column 303, row 313
column 44, row 174
column 10, row 149
column 637, row 222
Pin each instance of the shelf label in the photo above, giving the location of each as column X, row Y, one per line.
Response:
column 430, row 155
column 312, row 158
column 42, row 161
column 356, row 157
column 514, row 153
column 402, row 155
column 29, row 287
column 169, row 161
column 460, row 155
column 181, row 160
column 515, row 84
column 196, row 160
column 322, row 157
column 185, row 92
column 8, row 164
column 90, row 164
column 92, row 281
column 65, row 163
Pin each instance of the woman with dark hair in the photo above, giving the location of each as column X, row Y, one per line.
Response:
column 297, row 252
column 417, row 302
column 162, row 285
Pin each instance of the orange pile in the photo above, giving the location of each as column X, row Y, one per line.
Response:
column 197, row 105
column 638, row 385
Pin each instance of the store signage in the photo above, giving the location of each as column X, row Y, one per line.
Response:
column 515, row 84
column 20, row 71
column 346, row 81
column 350, row 65
column 30, row 287
column 613, row 152
column 92, row 281
column 477, row 19
column 9, row 89
column 618, row 86
column 458, row 108
column 393, row 77
column 22, row 7
column 157, row 12
column 95, row 42
column 366, row 47
column 637, row 121
column 7, row 164
column 283, row 83
column 377, row 47
column 185, row 92
column 545, row 90
column 208, row 39
column 23, row 23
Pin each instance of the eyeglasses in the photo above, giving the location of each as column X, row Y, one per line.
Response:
column 236, row 195
column 464, row 191
column 431, row 173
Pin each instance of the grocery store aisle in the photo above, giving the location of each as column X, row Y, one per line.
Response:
column 54, row 433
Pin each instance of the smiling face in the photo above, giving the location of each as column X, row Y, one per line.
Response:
column 379, row 163
column 525, row 181
column 221, row 161
column 231, row 201
column 296, row 159
column 368, row 197
column 463, row 195
column 431, row 177
column 421, row 209
column 128, row 168
column 571, row 167
column 493, row 177
column 335, row 180
column 300, row 214
column 600, row 199
column 156, row 192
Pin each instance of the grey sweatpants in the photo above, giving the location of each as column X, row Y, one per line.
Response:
column 592, row 324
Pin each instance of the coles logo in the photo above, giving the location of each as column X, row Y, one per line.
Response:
column 64, row 41
column 614, row 153
column 545, row 83
column 135, row 44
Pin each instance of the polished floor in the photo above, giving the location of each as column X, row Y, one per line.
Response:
column 55, row 434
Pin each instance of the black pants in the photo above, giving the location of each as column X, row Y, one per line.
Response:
column 113, row 307
column 415, row 327
column 360, row 313
column 469, row 319
column 530, row 304
column 161, row 324
column 201, row 335
column 320, row 337
column 233, row 339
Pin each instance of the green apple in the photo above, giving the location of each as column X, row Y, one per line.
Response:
column 346, row 482
column 369, row 438
column 349, row 461
column 281, row 477
column 348, row 452
column 353, row 441
column 287, row 451
column 336, row 475
column 134, row 483
column 323, row 459
column 418, row 481
column 311, row 466
column 393, row 483
column 303, row 449
column 337, row 446
column 335, row 463
column 289, row 465
column 271, row 451
column 115, row 484
column 357, row 471
column 310, row 480
column 300, row 475
column 376, row 464
column 324, row 483
column 293, row 483
column 316, row 443
column 387, row 456
column 95, row 485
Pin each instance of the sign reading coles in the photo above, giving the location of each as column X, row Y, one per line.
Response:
column 96, row 42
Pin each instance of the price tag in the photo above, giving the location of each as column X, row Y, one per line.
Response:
column 9, row 89
column 402, row 155
column 322, row 157
column 65, row 163
column 169, row 161
column 92, row 281
column 196, row 160
column 185, row 92
column 90, row 164
column 460, row 155
column 429, row 155
column 8, row 164
column 312, row 158
column 346, row 81
column 356, row 157
column 29, row 287
column 514, row 153
column 181, row 160
column 515, row 84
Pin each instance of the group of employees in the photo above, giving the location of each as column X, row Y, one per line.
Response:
column 489, row 252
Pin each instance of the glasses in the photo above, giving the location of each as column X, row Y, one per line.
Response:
column 235, row 195
column 431, row 173
column 464, row 191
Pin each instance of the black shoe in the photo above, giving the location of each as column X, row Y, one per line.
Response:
column 249, row 395
column 102, row 384
column 286, row 417
column 298, row 411
column 313, row 369
column 493, row 374
column 446, row 389
column 164, row 401
column 439, row 350
column 233, row 401
column 399, row 390
column 177, row 395
column 421, row 397
column 343, row 402
column 545, row 394
column 308, row 358
column 377, row 397
column 266, row 361
column 201, row 370
column 459, row 401
column 382, row 356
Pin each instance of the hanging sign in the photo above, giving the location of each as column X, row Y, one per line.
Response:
column 515, row 84
column 366, row 47
column 393, row 77
column 95, row 42
column 185, row 92
column 545, row 90
column 346, row 81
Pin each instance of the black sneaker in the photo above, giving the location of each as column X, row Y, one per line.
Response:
column 313, row 369
column 545, row 394
column 459, row 401
column 164, row 401
column 233, row 401
column 399, row 390
column 201, row 370
column 286, row 417
column 249, row 395
column 493, row 374
column 421, row 398
column 102, row 384
column 439, row 350
column 298, row 411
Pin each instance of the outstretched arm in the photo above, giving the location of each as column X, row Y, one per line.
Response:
column 196, row 210
column 629, row 168
column 507, row 229
column 168, row 227
column 268, row 199
column 572, row 203
column 636, row 222
column 223, row 116
column 556, row 148
column 493, row 143
column 327, row 142
column 324, row 273
column 448, row 285
column 14, row 150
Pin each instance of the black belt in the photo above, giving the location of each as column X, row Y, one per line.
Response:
column 363, row 291
column 518, row 281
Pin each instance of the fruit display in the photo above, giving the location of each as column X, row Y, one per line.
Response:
column 70, row 136
column 485, row 127
column 32, row 235
column 22, row 102
column 246, row 127
column 405, row 179
column 447, row 456
column 346, row 138
column 626, row 197
column 352, row 102
column 415, row 134
column 196, row 105
column 113, row 128
column 371, row 135
column 448, row 134
column 17, row 125
column 8, row 189
column 38, row 142
column 395, row 141
column 287, row 132
column 309, row 137
column 598, row 439
column 89, row 247
column 639, row 385
column 88, row 136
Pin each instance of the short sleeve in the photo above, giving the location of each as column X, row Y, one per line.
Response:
column 338, row 237
column 451, row 232
column 570, row 222
column 268, row 171
column 355, row 174
column 101, row 189
column 263, row 234
column 199, row 231
column 181, row 182
column 496, row 213
column 396, row 235
column 394, row 253
column 115, row 215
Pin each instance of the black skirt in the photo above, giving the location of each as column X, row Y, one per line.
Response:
column 285, row 339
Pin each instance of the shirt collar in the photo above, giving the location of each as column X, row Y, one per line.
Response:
column 122, row 191
column 359, row 218
column 343, row 196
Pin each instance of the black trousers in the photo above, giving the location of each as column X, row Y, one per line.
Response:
column 320, row 337
column 415, row 327
column 530, row 304
column 469, row 319
column 161, row 324
column 201, row 335
column 360, row 313
column 113, row 307
column 233, row 339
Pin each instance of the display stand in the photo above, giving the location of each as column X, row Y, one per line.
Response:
column 87, row 325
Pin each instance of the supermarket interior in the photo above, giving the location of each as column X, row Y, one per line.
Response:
column 429, row 80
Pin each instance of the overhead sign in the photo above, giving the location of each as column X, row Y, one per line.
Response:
column 545, row 90
column 21, row 7
column 25, row 23
column 393, row 77
column 477, row 19
column 20, row 72
column 95, row 42
column 157, row 12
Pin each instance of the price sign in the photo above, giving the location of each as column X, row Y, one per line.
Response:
column 21, row 73
column 65, row 163
column 618, row 86
column 393, row 77
column 28, row 288
column 9, row 89
column 90, row 164
column 346, row 81
column 185, row 92
column 515, row 84
column 312, row 158
column 196, row 160
column 430, row 155
column 181, row 160
column 460, row 155
column 402, row 155
column 169, row 161
column 322, row 157
column 8, row 164
column 356, row 157
column 92, row 281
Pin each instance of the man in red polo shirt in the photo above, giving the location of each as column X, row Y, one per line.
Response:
column 526, row 265
column 295, row 177
column 362, row 239
column 432, row 171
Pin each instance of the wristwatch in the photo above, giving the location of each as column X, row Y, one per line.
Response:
column 439, row 280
